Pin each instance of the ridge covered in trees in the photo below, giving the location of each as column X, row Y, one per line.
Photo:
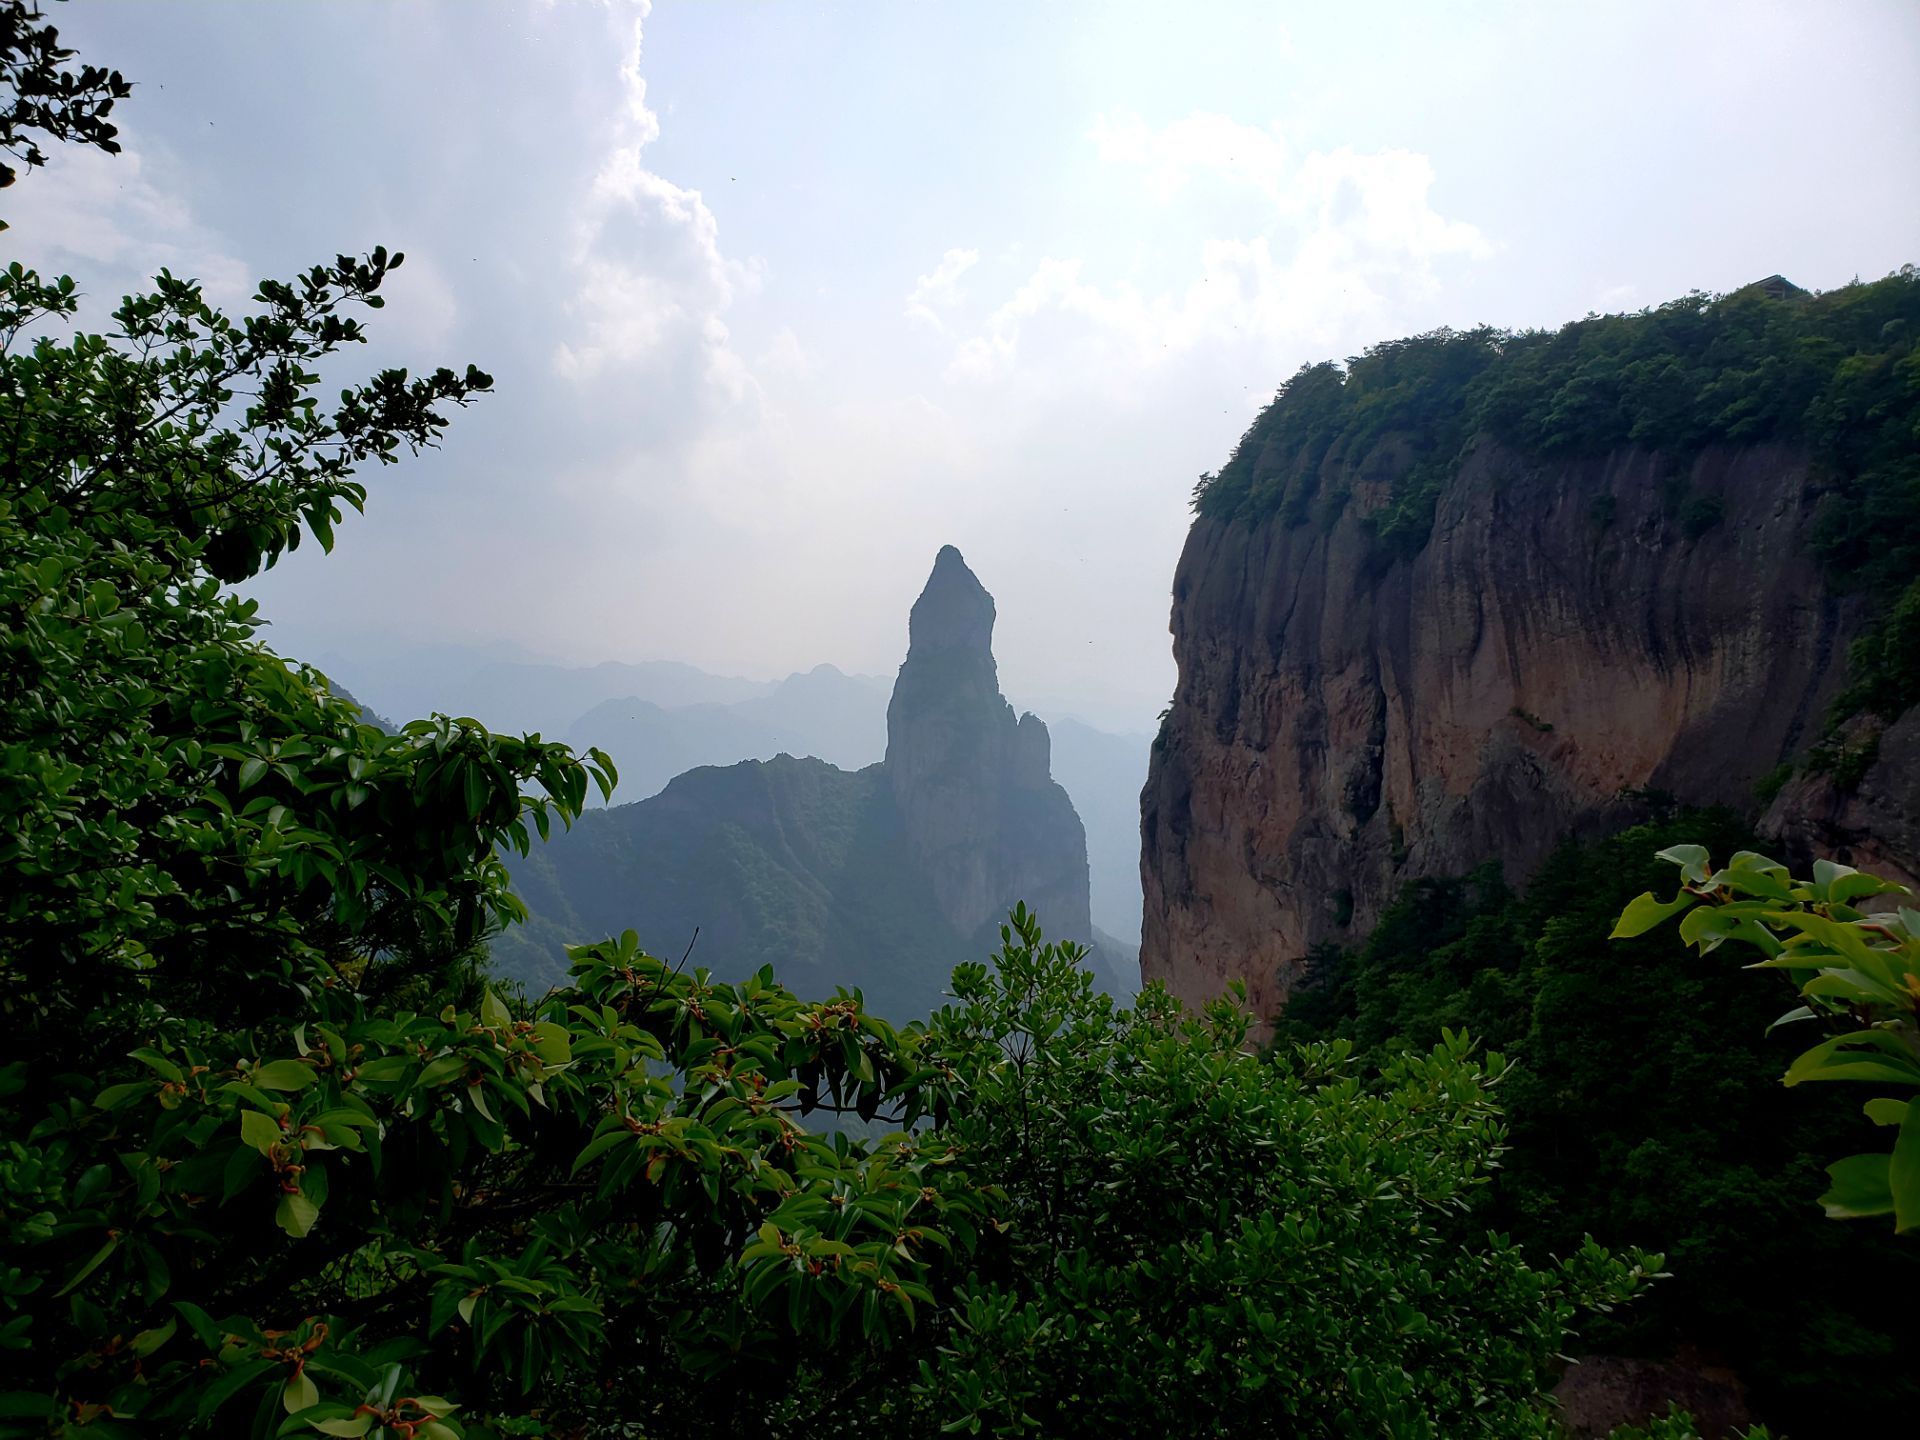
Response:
column 1837, row 372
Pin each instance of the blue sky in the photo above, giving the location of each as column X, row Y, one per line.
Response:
column 780, row 298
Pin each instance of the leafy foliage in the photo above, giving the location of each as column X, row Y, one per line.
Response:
column 1858, row 972
column 1200, row 1242
column 1644, row 1109
column 47, row 97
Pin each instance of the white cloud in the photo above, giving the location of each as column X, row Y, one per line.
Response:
column 1201, row 144
column 123, row 215
column 785, row 356
column 1340, row 235
column 940, row 288
column 421, row 301
column 652, row 285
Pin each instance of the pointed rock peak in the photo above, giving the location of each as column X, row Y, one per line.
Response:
column 954, row 612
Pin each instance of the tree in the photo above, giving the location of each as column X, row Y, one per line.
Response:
column 47, row 97
column 1643, row 1110
column 1199, row 1241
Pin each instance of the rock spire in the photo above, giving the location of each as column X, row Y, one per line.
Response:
column 982, row 814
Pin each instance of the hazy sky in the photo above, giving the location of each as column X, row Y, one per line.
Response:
column 781, row 297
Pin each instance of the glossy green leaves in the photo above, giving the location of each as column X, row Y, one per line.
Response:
column 1857, row 972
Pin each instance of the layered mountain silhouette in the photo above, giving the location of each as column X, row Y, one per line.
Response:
column 881, row 878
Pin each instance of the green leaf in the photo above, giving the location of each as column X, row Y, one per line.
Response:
column 1860, row 1188
column 1903, row 1171
column 1851, row 1056
column 94, row 1262
column 282, row 1075
column 262, row 1132
column 27, row 1405
column 1644, row 912
column 551, row 1043
column 148, row 1341
column 386, row 1068
column 296, row 1214
column 251, row 770
column 1692, row 860
column 493, row 1013
column 447, row 1067
column 298, row 1393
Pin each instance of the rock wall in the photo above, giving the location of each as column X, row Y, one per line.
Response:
column 1346, row 719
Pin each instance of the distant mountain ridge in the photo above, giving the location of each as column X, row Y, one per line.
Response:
column 659, row 719
column 513, row 695
column 880, row 878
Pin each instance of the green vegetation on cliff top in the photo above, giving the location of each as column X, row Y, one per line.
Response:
column 1837, row 372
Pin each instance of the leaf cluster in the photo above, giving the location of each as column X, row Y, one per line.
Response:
column 47, row 97
column 1857, row 972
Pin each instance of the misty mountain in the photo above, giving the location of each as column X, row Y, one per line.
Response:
column 881, row 878
column 823, row 713
column 512, row 693
column 662, row 718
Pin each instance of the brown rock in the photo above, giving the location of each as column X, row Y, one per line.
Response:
column 1346, row 719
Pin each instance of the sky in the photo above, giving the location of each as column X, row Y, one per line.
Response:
column 780, row 298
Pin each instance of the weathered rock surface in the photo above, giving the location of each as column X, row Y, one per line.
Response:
column 1345, row 720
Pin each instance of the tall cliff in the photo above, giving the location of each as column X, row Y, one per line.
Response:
column 882, row 878
column 1419, row 627
column 981, row 812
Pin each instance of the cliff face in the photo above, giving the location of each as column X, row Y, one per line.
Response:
column 1345, row 720
column 981, row 813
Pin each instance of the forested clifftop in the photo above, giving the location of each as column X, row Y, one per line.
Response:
column 1480, row 592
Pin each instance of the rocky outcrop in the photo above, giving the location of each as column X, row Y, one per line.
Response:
column 882, row 879
column 980, row 810
column 1873, row 824
column 1570, row 634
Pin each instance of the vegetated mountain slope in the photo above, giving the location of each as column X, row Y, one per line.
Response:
column 786, row 862
column 1471, row 595
column 673, row 718
column 824, row 713
column 881, row 878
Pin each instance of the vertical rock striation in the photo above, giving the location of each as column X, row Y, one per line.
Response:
column 1346, row 719
column 981, row 813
